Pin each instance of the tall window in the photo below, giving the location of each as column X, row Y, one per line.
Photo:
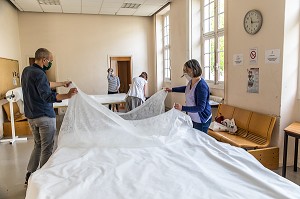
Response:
column 166, row 47
column 213, row 40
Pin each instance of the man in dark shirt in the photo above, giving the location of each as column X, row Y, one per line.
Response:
column 38, row 107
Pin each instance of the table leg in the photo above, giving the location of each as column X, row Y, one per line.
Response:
column 284, row 155
column 296, row 154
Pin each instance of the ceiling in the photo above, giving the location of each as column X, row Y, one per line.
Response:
column 102, row 7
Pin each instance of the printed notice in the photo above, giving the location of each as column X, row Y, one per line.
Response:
column 238, row 59
column 253, row 56
column 272, row 56
column 253, row 80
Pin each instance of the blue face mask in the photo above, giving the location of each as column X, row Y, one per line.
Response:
column 47, row 67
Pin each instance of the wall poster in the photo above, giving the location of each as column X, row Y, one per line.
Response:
column 253, row 80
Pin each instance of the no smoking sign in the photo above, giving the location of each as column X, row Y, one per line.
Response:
column 253, row 56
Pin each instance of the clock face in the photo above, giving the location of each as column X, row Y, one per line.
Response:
column 253, row 21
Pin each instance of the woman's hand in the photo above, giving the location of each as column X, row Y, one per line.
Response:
column 72, row 91
column 178, row 106
column 168, row 89
column 67, row 83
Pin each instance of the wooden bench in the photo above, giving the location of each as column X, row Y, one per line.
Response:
column 254, row 132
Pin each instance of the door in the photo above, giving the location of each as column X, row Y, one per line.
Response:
column 122, row 68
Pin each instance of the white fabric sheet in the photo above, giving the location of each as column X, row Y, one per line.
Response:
column 101, row 155
column 155, row 105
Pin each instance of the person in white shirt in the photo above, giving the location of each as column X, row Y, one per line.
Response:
column 137, row 92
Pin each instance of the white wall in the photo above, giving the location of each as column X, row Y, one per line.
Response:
column 179, row 47
column 289, row 109
column 9, row 32
column 81, row 45
column 277, row 82
column 159, row 69
column 9, row 41
column 269, row 37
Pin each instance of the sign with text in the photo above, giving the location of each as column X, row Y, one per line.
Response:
column 272, row 56
column 253, row 56
column 238, row 59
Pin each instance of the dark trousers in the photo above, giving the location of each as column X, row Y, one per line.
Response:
column 117, row 106
column 202, row 126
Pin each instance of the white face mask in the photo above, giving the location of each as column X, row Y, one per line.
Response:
column 187, row 76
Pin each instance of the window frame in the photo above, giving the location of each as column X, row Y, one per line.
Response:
column 215, row 35
column 167, row 78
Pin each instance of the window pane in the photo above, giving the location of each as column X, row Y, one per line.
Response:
column 221, row 43
column 206, row 73
column 213, row 56
column 221, row 21
column 220, row 6
column 166, row 48
column 206, row 26
column 206, row 12
column 221, row 66
column 212, row 70
column 206, row 46
column 211, row 45
column 212, row 24
column 211, row 9
column 206, row 60
column 212, row 61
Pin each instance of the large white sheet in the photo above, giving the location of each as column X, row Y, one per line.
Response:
column 101, row 155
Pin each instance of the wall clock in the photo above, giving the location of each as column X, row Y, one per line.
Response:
column 253, row 21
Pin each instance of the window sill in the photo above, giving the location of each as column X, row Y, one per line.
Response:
column 219, row 86
column 167, row 81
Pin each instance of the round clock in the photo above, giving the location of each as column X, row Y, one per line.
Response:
column 253, row 21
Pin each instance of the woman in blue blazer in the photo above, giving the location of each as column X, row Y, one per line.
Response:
column 197, row 96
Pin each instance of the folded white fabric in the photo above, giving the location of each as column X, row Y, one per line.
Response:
column 215, row 126
column 230, row 124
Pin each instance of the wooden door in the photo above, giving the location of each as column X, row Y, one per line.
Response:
column 124, row 75
column 122, row 67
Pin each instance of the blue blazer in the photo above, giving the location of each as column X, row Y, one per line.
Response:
column 201, row 98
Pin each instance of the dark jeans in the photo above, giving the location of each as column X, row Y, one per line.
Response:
column 117, row 106
column 202, row 126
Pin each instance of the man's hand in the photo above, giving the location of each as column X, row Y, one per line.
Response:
column 72, row 91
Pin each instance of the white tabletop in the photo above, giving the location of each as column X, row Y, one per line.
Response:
column 103, row 99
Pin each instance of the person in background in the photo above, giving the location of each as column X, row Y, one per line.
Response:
column 196, row 95
column 113, row 84
column 137, row 92
column 38, row 107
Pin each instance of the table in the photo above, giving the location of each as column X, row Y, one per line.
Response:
column 292, row 130
column 214, row 104
column 103, row 99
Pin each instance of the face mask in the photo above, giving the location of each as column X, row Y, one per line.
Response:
column 187, row 76
column 47, row 67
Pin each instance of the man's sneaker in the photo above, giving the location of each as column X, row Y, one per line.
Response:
column 27, row 177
